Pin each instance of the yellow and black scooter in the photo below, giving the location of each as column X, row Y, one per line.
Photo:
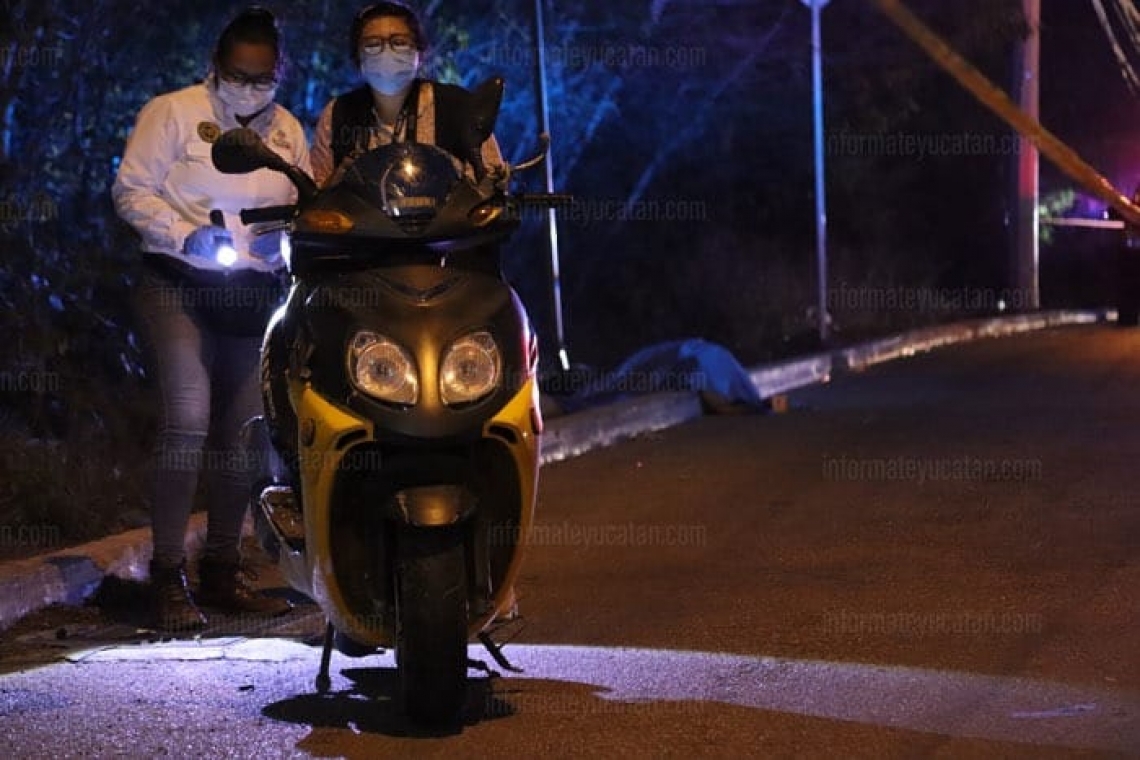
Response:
column 400, row 392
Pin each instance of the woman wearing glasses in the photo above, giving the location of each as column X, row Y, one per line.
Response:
column 203, row 300
column 387, row 44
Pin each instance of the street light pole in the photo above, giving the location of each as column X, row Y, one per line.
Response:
column 552, row 217
column 820, row 194
column 1027, row 236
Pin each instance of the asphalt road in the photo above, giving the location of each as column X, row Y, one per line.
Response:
column 939, row 557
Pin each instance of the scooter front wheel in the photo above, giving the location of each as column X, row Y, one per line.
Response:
column 431, row 644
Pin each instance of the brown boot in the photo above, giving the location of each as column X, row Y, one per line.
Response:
column 171, row 607
column 224, row 585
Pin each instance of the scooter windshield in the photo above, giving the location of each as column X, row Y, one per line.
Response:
column 405, row 180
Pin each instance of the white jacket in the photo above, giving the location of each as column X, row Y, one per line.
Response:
column 167, row 184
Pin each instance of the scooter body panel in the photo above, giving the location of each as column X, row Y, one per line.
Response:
column 332, row 563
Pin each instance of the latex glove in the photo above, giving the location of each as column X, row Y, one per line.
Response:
column 266, row 246
column 205, row 241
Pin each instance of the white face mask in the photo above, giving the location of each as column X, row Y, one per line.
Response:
column 243, row 99
column 389, row 72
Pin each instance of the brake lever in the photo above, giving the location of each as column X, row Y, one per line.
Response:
column 544, row 148
column 274, row 227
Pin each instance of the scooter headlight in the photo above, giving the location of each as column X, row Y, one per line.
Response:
column 471, row 369
column 383, row 369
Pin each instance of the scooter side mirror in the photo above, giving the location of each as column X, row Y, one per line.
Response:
column 483, row 112
column 486, row 100
column 241, row 151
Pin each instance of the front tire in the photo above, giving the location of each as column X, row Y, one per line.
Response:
column 431, row 642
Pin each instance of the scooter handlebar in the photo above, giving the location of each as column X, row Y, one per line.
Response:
column 545, row 200
column 268, row 214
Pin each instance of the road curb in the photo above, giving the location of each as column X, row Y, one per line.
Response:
column 69, row 576
column 578, row 433
column 929, row 338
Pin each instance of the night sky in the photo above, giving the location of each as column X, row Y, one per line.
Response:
column 1084, row 98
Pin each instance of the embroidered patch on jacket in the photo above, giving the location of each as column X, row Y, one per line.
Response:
column 280, row 139
column 209, row 131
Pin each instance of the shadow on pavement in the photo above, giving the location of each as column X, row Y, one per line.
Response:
column 370, row 705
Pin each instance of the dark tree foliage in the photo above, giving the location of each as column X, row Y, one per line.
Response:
column 682, row 127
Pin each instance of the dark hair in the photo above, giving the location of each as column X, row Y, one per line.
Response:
column 379, row 10
column 255, row 25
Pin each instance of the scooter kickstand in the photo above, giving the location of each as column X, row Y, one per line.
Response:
column 324, row 682
column 497, row 653
column 483, row 667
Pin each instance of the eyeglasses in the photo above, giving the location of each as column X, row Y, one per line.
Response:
column 397, row 43
column 259, row 82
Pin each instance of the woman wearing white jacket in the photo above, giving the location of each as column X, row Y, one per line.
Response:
column 204, row 297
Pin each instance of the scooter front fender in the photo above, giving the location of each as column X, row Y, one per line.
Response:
column 325, row 433
column 328, row 431
column 518, row 426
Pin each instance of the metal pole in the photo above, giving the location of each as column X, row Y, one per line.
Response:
column 820, row 191
column 1027, row 257
column 552, row 218
column 998, row 101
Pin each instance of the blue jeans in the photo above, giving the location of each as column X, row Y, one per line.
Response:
column 208, row 384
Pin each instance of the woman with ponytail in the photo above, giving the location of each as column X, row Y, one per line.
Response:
column 208, row 287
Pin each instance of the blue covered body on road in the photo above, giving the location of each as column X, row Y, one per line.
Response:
column 691, row 365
